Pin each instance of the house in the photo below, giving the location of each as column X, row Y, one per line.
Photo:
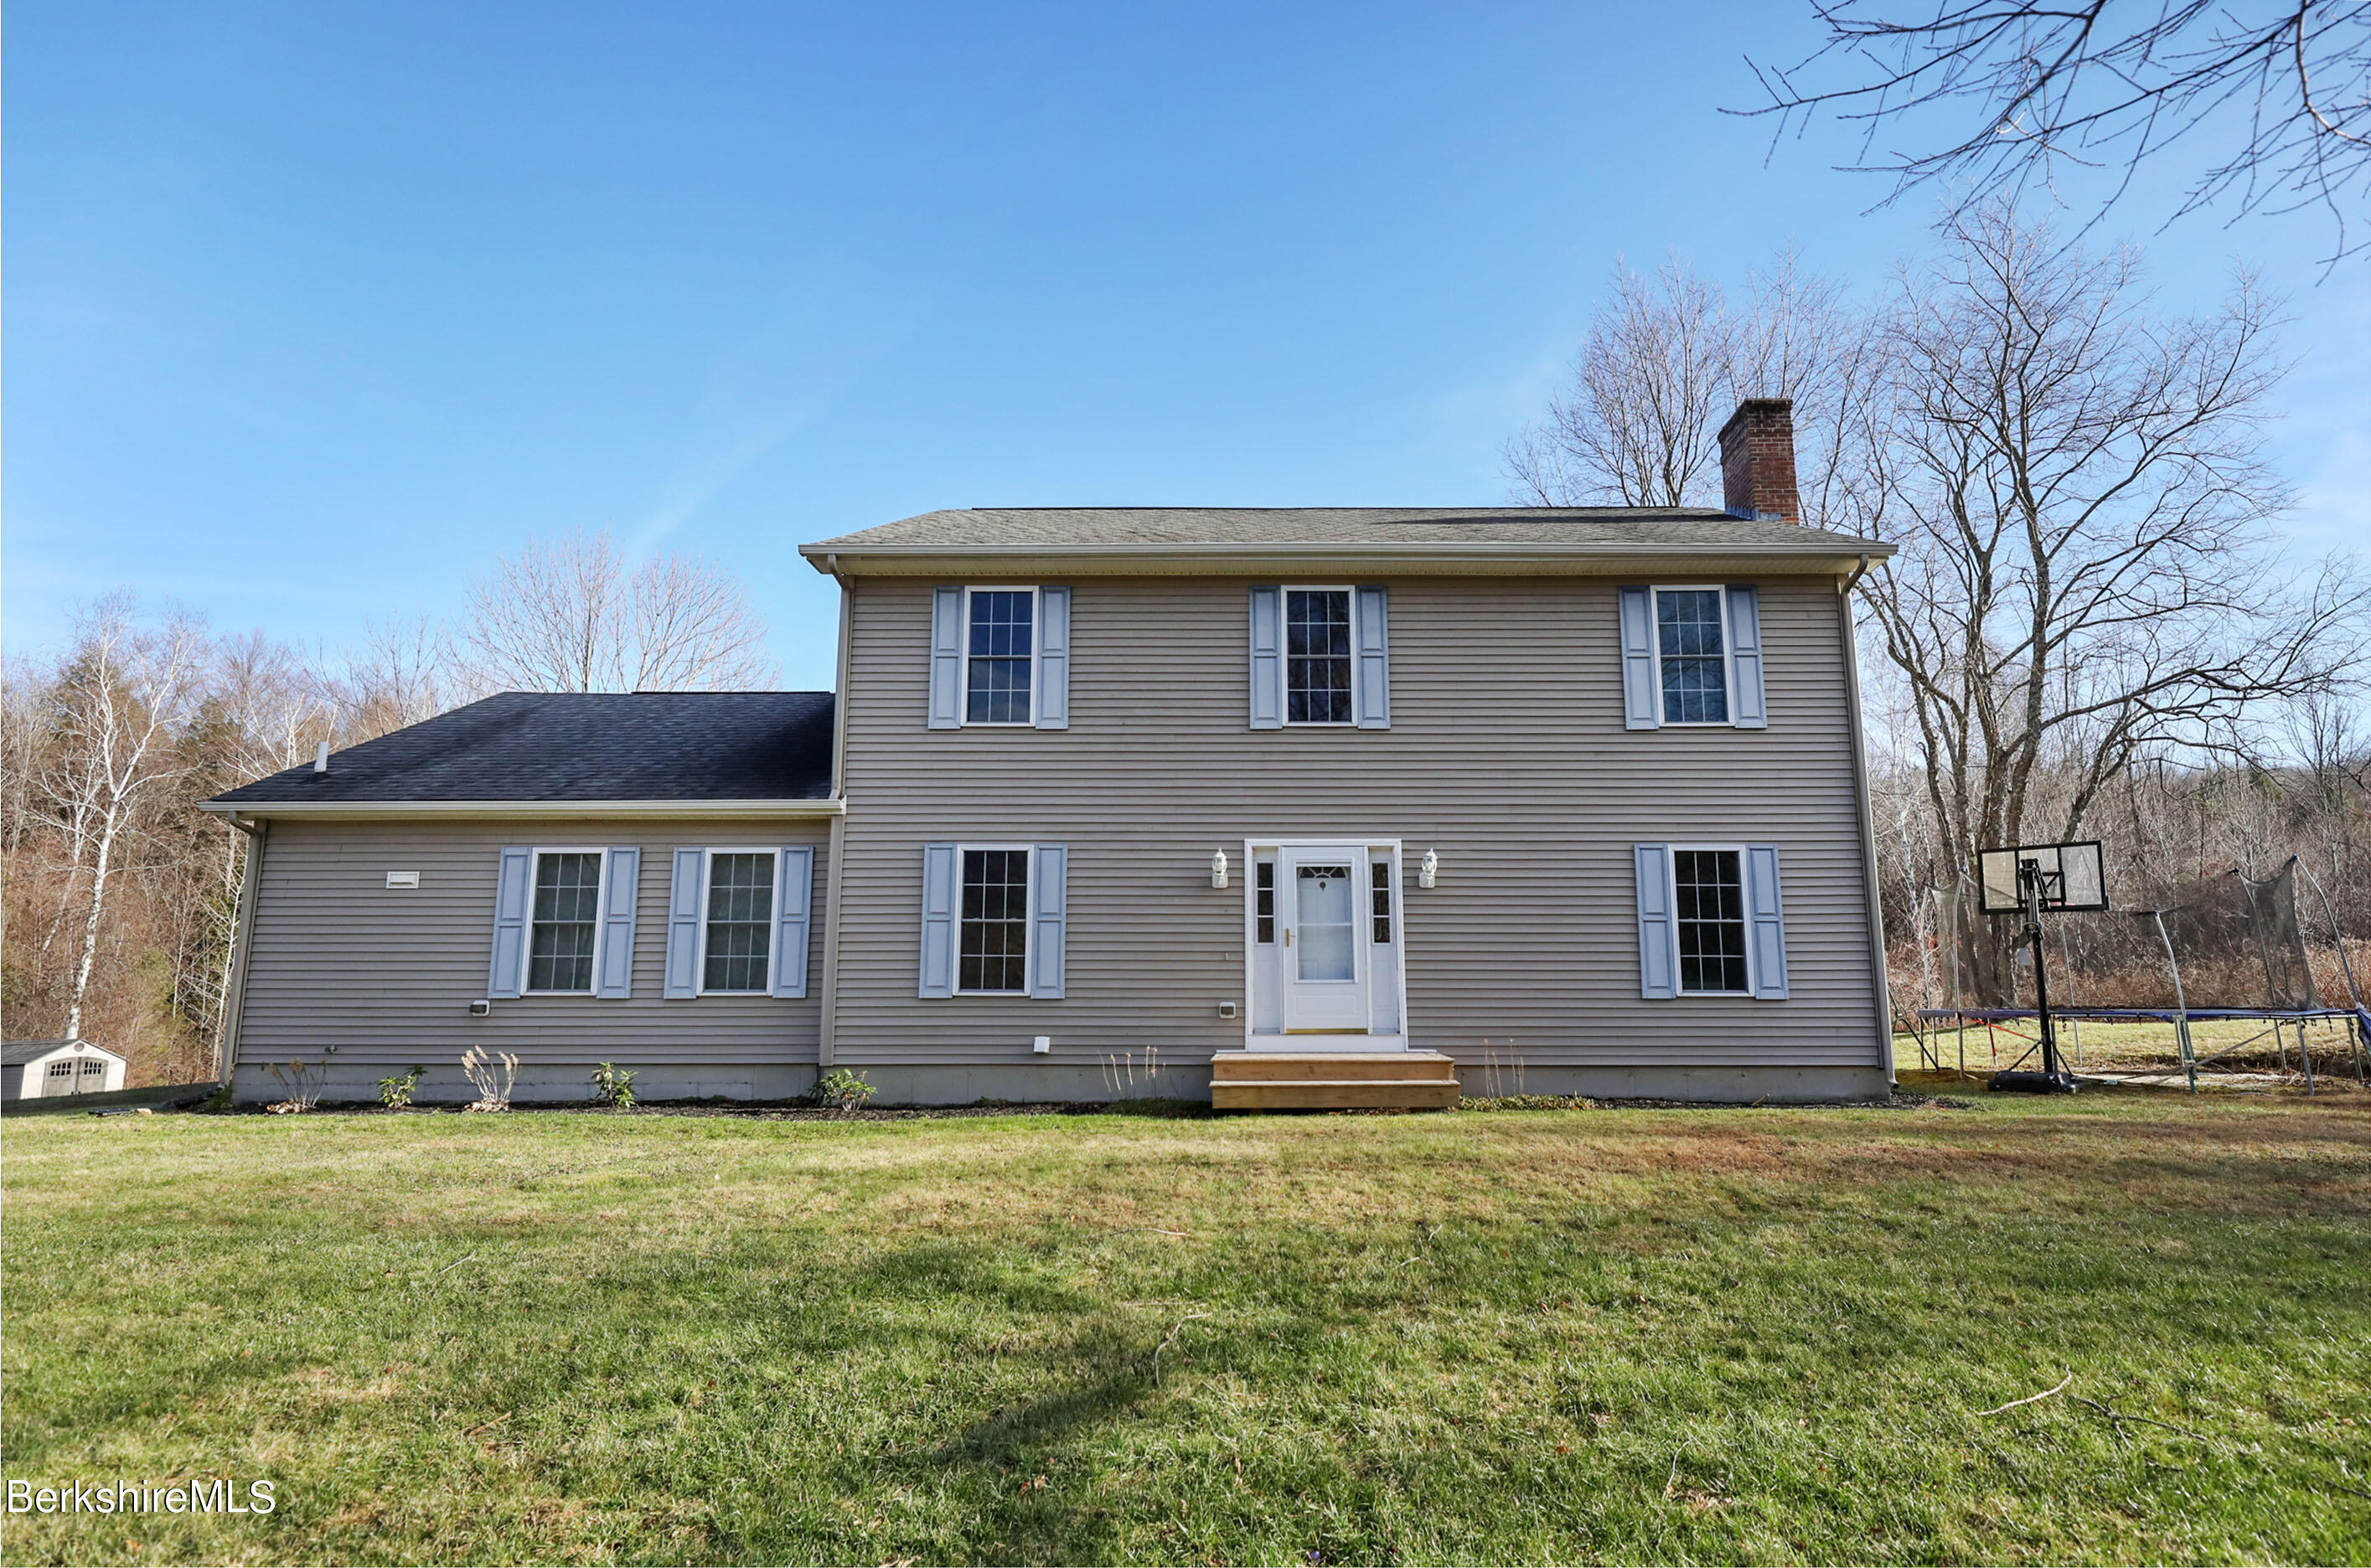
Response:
column 44, row 1069
column 1277, row 806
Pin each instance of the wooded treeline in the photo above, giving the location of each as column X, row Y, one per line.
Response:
column 120, row 897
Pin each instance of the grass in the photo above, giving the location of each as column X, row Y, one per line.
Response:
column 1730, row 1335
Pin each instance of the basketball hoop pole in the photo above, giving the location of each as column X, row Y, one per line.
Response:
column 2029, row 876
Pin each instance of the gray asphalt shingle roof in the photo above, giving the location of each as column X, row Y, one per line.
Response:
column 527, row 746
column 1057, row 526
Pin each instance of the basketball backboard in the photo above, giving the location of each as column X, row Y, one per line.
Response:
column 2073, row 876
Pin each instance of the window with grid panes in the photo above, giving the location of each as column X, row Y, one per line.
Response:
column 740, row 920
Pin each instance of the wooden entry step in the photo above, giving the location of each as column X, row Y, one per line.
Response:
column 1333, row 1081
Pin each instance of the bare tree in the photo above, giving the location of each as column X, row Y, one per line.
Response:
column 571, row 615
column 402, row 674
column 2278, row 92
column 122, row 696
column 1665, row 361
column 2085, row 572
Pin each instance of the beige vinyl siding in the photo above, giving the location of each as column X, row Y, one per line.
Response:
column 1507, row 754
column 387, row 975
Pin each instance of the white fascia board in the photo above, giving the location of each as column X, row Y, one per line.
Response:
column 1824, row 558
column 546, row 808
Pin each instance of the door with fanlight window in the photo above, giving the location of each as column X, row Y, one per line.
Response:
column 1325, row 973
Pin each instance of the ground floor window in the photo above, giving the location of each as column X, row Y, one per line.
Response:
column 1709, row 903
column 740, row 920
column 993, row 946
column 566, row 921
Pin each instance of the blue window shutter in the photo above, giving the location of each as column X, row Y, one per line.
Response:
column 794, row 886
column 946, row 658
column 1049, row 903
column 1054, row 659
column 1374, row 659
column 1268, row 659
column 1745, row 656
column 938, row 920
column 1769, row 921
column 1658, row 945
column 618, row 885
column 506, row 977
column 1641, row 709
column 683, row 925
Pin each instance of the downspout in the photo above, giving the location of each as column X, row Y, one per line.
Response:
column 1868, row 822
column 837, row 856
column 242, row 943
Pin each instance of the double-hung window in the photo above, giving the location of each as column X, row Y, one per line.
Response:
column 1711, row 921
column 1321, row 657
column 995, row 919
column 737, row 934
column 1000, row 658
column 1691, row 655
column 1318, row 656
column 1708, row 910
column 999, row 654
column 992, row 955
column 564, row 924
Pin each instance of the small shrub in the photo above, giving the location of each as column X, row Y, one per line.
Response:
column 840, row 1090
column 611, row 1086
column 493, row 1091
column 395, row 1092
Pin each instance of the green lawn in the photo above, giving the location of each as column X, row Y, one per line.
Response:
column 1756, row 1336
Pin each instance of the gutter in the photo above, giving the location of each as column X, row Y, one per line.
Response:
column 488, row 810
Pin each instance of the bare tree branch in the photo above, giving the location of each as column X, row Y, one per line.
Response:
column 2279, row 92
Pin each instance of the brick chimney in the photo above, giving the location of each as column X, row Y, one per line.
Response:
column 1757, row 460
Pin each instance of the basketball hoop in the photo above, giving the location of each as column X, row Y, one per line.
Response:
column 2030, row 880
column 2068, row 878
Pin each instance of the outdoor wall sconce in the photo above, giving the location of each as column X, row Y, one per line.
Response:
column 1427, row 869
column 1218, row 869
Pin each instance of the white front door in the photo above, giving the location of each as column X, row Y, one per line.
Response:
column 1325, row 969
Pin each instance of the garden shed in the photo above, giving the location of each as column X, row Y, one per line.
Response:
column 43, row 1069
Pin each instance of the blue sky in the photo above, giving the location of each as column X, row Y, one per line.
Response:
column 311, row 308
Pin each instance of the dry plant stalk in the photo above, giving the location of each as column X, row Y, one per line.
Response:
column 493, row 1088
column 304, row 1088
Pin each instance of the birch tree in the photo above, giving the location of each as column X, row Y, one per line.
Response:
column 116, row 710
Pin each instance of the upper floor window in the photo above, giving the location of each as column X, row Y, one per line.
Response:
column 566, row 921
column 1317, row 656
column 1321, row 656
column 1691, row 654
column 1000, row 658
column 999, row 642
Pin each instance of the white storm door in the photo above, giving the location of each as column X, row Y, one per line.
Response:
column 1325, row 964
